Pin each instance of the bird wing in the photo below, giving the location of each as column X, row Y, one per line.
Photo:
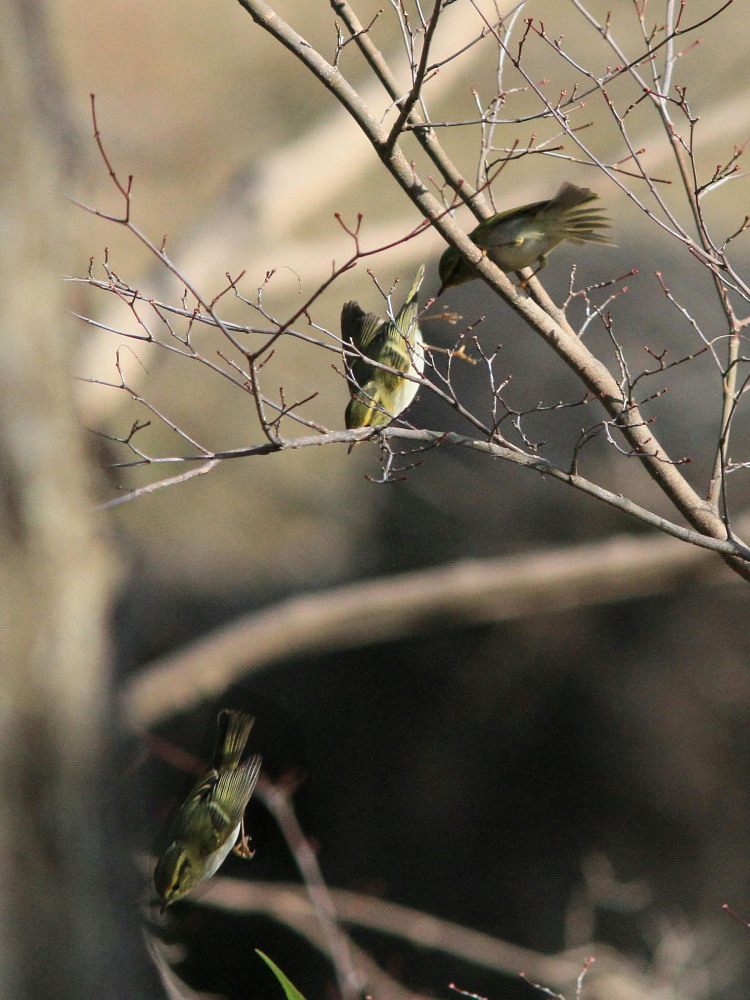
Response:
column 231, row 793
column 231, row 737
column 564, row 211
column 570, row 196
column 573, row 218
column 363, row 409
column 404, row 328
column 358, row 327
column 418, row 278
column 489, row 234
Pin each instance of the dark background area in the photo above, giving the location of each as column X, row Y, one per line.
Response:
column 476, row 774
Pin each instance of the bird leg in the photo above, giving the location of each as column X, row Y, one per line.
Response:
column 524, row 283
column 242, row 848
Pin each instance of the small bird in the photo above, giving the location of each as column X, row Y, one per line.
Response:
column 377, row 395
column 209, row 821
column 521, row 237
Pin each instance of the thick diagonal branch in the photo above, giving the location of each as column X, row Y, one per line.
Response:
column 553, row 328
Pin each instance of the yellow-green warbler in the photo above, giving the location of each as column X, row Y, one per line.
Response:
column 377, row 395
column 209, row 821
column 521, row 237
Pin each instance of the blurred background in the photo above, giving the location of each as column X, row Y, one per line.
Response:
column 573, row 773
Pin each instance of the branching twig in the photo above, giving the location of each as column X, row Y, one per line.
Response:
column 560, row 336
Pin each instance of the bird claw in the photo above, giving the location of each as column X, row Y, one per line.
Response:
column 524, row 283
column 242, row 848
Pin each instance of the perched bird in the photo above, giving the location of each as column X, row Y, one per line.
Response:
column 521, row 237
column 378, row 396
column 209, row 821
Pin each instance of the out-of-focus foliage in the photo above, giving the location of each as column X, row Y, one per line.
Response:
column 290, row 990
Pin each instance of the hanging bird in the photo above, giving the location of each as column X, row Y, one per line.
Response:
column 521, row 237
column 377, row 395
column 209, row 821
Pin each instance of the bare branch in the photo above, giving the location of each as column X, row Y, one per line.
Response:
column 383, row 610
column 559, row 335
